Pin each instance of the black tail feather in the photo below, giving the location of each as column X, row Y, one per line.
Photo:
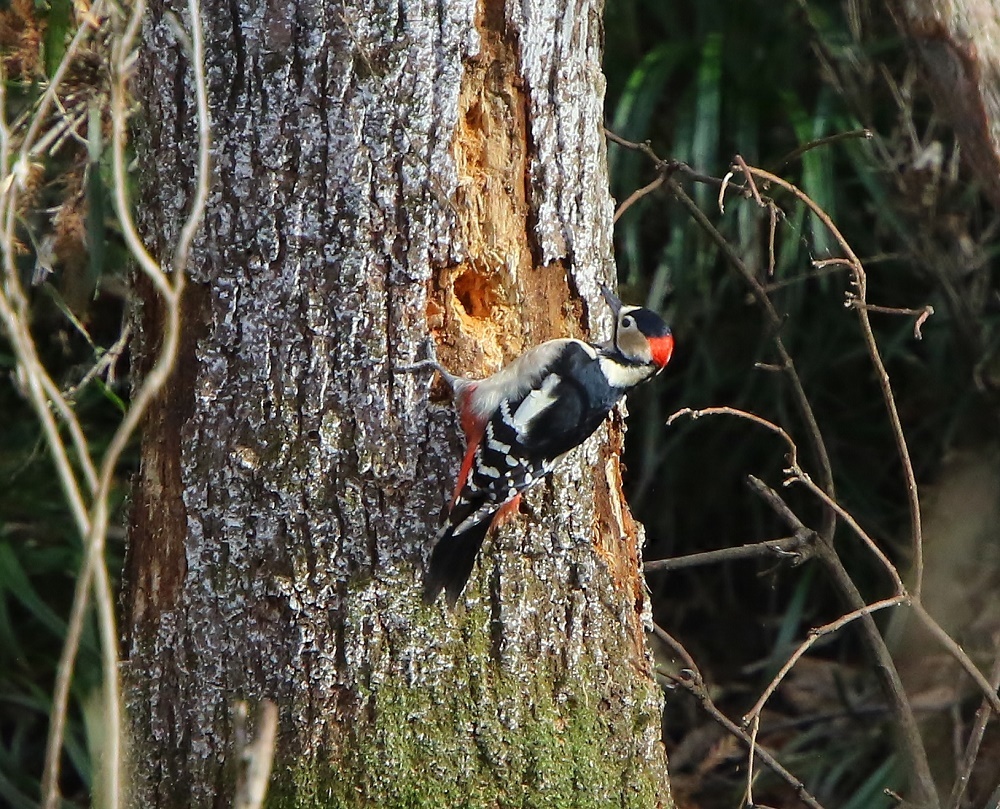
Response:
column 452, row 561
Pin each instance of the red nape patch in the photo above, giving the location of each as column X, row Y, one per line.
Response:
column 662, row 348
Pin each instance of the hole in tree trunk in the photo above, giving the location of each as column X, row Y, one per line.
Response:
column 475, row 293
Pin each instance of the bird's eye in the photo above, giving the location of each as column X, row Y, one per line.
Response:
column 628, row 322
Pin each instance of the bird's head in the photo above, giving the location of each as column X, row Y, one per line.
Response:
column 640, row 335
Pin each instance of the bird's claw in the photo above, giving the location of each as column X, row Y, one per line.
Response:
column 429, row 362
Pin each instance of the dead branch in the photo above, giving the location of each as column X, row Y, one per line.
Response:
column 971, row 753
column 861, row 284
column 89, row 500
column 255, row 756
column 795, row 547
column 691, row 680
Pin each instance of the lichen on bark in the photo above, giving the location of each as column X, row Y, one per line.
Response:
column 379, row 176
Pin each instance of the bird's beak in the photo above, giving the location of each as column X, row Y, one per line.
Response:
column 613, row 300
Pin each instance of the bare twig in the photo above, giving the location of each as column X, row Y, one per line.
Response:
column 801, row 477
column 745, row 170
column 956, row 651
column 802, row 404
column 794, row 546
column 824, row 263
column 670, row 166
column 691, row 681
column 94, row 525
column 795, row 154
column 107, row 361
column 88, row 23
column 635, row 196
column 815, row 635
column 971, row 753
column 754, row 729
column 820, row 272
column 924, row 789
column 884, row 667
column 255, row 757
column 861, row 284
column 920, row 314
column 801, row 401
column 742, row 414
column 772, row 211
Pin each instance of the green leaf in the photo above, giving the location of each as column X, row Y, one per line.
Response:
column 14, row 579
column 110, row 395
column 59, row 22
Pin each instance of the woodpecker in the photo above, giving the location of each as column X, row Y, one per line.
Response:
column 521, row 421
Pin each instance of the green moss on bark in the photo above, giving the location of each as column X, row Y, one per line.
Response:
column 434, row 749
column 483, row 736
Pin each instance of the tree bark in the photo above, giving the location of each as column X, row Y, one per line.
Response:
column 957, row 43
column 383, row 171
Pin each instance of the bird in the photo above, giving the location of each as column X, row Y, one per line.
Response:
column 523, row 420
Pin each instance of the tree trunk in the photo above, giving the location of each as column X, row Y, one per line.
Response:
column 383, row 171
column 958, row 45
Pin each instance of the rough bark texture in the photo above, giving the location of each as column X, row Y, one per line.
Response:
column 383, row 171
column 958, row 45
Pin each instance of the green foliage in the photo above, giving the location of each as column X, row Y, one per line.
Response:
column 703, row 81
column 71, row 264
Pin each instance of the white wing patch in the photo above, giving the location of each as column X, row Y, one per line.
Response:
column 520, row 376
column 534, row 404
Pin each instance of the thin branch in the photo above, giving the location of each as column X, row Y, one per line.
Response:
column 93, row 569
column 819, row 273
column 107, row 361
column 745, row 169
column 802, row 404
column 772, row 211
column 119, row 119
column 971, row 753
column 795, row 154
column 692, row 682
column 794, row 546
column 33, row 374
column 742, row 414
column 920, row 314
column 40, row 114
column 754, row 730
column 203, row 176
column 861, row 283
column 824, row 263
column 677, row 646
column 884, row 666
column 801, row 477
column 635, row 196
column 669, row 166
column 779, row 506
column 61, row 404
column 956, row 651
column 815, row 635
column 255, row 757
